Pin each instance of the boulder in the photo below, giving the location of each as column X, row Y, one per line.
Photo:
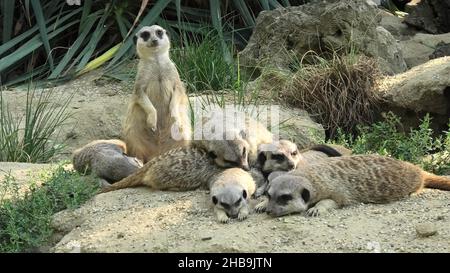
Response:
column 422, row 46
column 424, row 88
column 396, row 26
column 283, row 36
column 432, row 16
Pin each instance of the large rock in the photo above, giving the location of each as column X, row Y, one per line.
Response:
column 424, row 88
column 396, row 26
column 432, row 16
column 284, row 35
column 422, row 47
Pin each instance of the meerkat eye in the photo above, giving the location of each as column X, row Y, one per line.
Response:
column 261, row 158
column 294, row 153
column 244, row 193
column 145, row 35
column 159, row 33
column 224, row 205
column 231, row 163
column 278, row 157
column 214, row 200
column 306, row 195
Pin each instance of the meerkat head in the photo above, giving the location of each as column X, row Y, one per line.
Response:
column 230, row 198
column 282, row 155
column 228, row 153
column 151, row 40
column 288, row 194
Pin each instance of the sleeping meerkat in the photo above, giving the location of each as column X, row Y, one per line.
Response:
column 284, row 156
column 107, row 159
column 157, row 118
column 179, row 169
column 341, row 181
column 230, row 192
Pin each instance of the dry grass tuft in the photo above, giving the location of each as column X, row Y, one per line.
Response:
column 340, row 92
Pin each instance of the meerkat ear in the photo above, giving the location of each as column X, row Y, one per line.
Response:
column 244, row 194
column 214, row 200
column 306, row 195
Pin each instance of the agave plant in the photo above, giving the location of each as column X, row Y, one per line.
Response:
column 49, row 39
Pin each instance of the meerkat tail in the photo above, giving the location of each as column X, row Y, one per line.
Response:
column 436, row 181
column 329, row 151
column 133, row 180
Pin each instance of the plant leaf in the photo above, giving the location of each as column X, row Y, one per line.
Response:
column 40, row 20
column 8, row 16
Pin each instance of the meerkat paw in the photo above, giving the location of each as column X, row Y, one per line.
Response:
column 322, row 207
column 152, row 122
column 222, row 217
column 262, row 206
column 315, row 211
column 243, row 214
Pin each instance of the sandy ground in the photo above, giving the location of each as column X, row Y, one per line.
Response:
column 139, row 220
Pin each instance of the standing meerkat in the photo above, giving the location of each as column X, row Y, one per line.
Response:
column 341, row 181
column 157, row 118
column 230, row 193
column 107, row 159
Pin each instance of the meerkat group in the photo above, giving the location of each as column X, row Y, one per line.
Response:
column 244, row 162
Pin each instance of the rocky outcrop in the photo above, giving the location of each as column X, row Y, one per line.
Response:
column 432, row 16
column 424, row 88
column 422, row 47
column 285, row 35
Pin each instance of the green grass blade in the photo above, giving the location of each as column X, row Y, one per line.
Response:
column 120, row 22
column 25, row 36
column 30, row 46
column 40, row 20
column 87, row 5
column 275, row 4
column 286, row 3
column 265, row 4
column 178, row 8
column 149, row 19
column 8, row 22
column 245, row 13
column 74, row 48
column 216, row 19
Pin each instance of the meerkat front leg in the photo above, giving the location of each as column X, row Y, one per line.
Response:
column 175, row 107
column 262, row 206
column 243, row 213
column 322, row 207
column 221, row 215
column 150, row 110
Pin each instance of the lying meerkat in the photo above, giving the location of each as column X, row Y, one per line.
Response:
column 230, row 193
column 157, row 118
column 283, row 156
column 341, row 181
column 107, row 159
column 179, row 169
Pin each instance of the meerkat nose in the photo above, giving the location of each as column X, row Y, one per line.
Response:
column 154, row 42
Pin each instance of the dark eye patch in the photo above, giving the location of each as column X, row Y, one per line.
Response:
column 145, row 35
column 294, row 153
column 159, row 33
column 284, row 199
column 225, row 205
column 238, row 202
column 279, row 157
column 306, row 195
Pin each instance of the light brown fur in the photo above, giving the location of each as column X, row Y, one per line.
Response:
column 230, row 193
column 180, row 169
column 105, row 158
column 159, row 104
column 341, row 181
